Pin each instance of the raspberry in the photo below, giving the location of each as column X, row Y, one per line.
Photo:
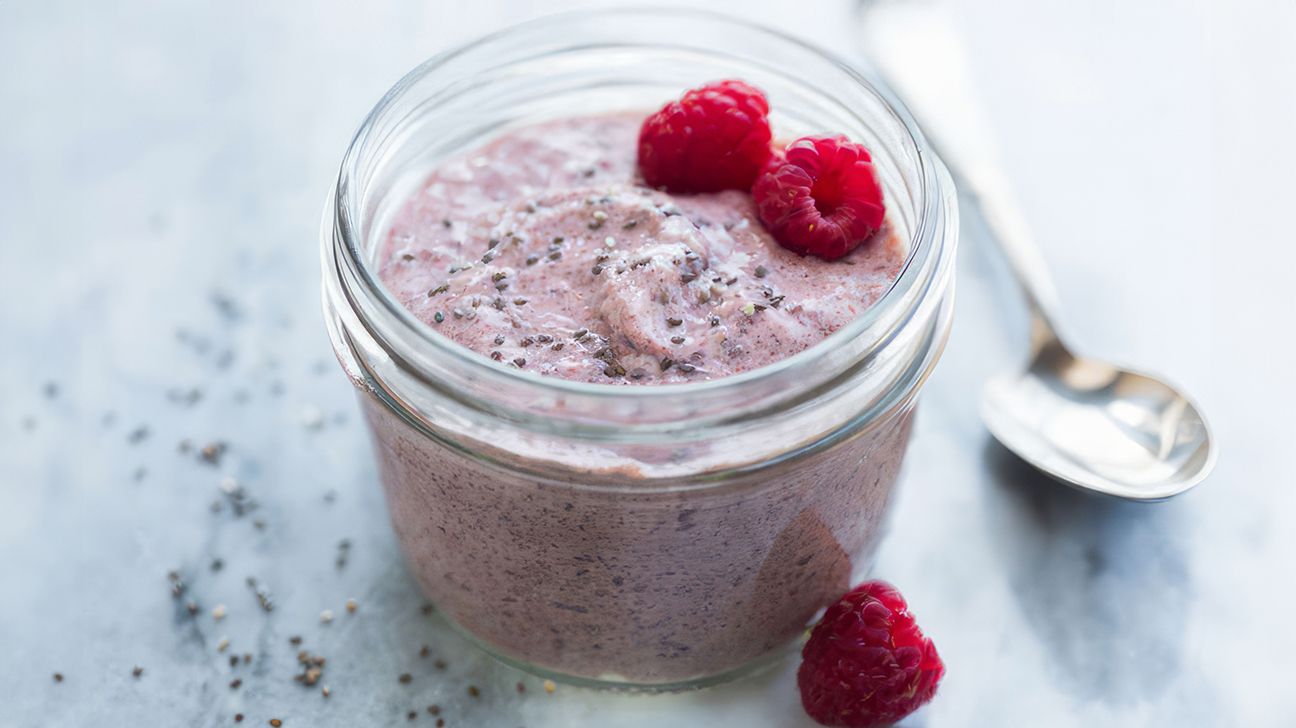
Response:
column 716, row 137
column 867, row 663
column 823, row 198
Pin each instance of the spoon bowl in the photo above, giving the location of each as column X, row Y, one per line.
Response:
column 1098, row 427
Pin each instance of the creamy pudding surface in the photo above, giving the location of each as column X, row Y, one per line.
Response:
column 542, row 251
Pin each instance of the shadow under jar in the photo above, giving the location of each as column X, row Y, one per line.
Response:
column 653, row 537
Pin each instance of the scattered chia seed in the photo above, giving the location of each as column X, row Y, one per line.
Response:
column 275, row 722
column 177, row 585
column 677, row 339
column 438, row 317
column 521, row 688
column 497, row 355
column 558, row 240
column 238, row 717
column 343, row 552
column 217, row 565
column 427, row 609
column 519, row 301
column 715, row 321
column 425, row 651
column 137, row 672
column 502, row 286
column 760, row 271
column 532, row 259
column 212, row 453
column 262, row 594
column 439, row 664
column 138, row 435
column 236, row 683
column 629, row 225
column 295, row 640
column 473, row 692
column 351, row 606
column 555, row 255
column 580, row 334
column 520, row 362
column 438, row 290
column 405, row 678
column 446, row 224
column 667, row 363
column 312, row 669
column 673, row 322
column 490, row 244
column 488, row 257
column 557, row 346
column 58, row 677
column 434, row 709
column 596, row 270
column 411, row 715
column 499, row 276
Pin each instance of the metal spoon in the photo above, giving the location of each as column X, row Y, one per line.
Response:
column 1083, row 421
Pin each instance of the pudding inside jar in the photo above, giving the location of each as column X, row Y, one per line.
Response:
column 626, row 438
column 541, row 250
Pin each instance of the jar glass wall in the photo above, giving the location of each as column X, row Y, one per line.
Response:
column 652, row 536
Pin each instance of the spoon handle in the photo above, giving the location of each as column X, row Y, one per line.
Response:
column 917, row 51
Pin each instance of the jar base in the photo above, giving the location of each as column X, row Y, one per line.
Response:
column 622, row 685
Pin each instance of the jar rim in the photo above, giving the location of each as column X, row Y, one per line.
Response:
column 926, row 260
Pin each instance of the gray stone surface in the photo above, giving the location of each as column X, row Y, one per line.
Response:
column 162, row 171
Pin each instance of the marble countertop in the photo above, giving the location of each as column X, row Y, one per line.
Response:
column 162, row 172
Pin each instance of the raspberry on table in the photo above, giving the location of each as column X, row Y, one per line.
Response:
column 867, row 663
column 822, row 197
column 715, row 137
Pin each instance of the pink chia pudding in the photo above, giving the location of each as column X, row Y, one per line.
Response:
column 541, row 251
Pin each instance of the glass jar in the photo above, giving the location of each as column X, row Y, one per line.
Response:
column 655, row 537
